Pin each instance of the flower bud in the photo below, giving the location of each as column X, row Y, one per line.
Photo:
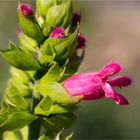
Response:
column 60, row 15
column 58, row 33
column 76, row 18
column 26, row 42
column 28, row 23
column 25, row 9
column 81, row 41
column 44, row 5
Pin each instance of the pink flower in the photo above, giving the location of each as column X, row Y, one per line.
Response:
column 58, row 32
column 76, row 18
column 25, row 9
column 81, row 41
column 95, row 85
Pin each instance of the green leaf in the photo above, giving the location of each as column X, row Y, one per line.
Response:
column 54, row 73
column 57, row 93
column 62, row 48
column 58, row 122
column 47, row 107
column 10, row 135
column 43, row 137
column 19, row 59
column 16, row 100
column 69, row 137
column 48, row 54
column 16, row 120
column 28, row 43
column 24, row 132
column 19, row 75
column 15, row 86
column 44, row 107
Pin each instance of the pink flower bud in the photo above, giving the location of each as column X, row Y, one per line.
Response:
column 81, row 41
column 76, row 18
column 58, row 32
column 95, row 85
column 25, row 9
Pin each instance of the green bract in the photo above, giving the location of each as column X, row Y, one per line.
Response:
column 59, row 15
column 30, row 27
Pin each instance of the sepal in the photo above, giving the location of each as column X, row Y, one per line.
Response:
column 44, row 5
column 28, row 43
column 59, row 15
column 57, row 93
column 30, row 27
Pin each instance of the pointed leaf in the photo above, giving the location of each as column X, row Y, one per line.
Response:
column 19, row 59
column 17, row 120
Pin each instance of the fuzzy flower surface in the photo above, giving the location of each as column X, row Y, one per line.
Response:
column 95, row 85
column 25, row 9
column 58, row 32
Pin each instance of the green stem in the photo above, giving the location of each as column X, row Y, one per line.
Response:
column 34, row 128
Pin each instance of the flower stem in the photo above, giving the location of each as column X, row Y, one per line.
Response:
column 34, row 127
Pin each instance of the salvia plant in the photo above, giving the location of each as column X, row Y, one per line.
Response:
column 42, row 93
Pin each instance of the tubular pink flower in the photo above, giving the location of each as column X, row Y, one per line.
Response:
column 58, row 32
column 76, row 18
column 25, row 9
column 95, row 85
column 81, row 41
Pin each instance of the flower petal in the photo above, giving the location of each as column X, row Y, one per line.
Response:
column 110, row 70
column 120, row 81
column 97, row 94
column 109, row 92
column 81, row 84
column 120, row 100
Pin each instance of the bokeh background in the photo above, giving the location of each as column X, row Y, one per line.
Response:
column 113, row 32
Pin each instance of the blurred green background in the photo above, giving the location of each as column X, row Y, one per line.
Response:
column 113, row 31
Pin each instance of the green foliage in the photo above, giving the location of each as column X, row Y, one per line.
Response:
column 35, row 96
column 16, row 57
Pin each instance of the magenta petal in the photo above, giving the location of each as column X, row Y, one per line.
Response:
column 76, row 18
column 120, row 81
column 25, row 9
column 81, row 84
column 81, row 41
column 120, row 100
column 109, row 92
column 97, row 94
column 109, row 70
column 58, row 32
